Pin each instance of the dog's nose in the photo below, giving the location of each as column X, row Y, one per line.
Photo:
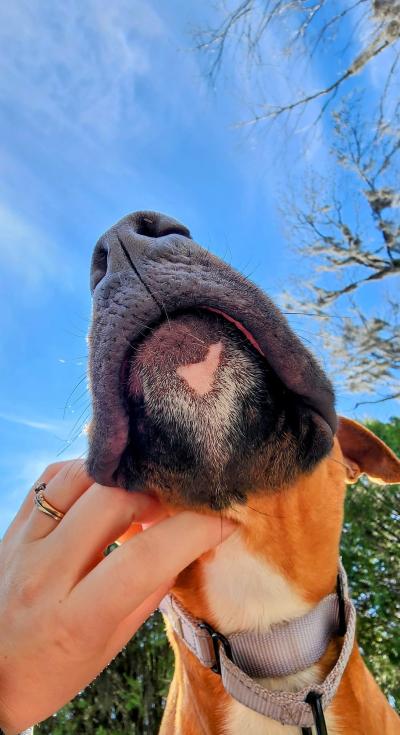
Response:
column 119, row 247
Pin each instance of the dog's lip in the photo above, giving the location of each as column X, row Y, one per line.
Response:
column 238, row 325
column 249, row 336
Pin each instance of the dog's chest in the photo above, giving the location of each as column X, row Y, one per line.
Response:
column 245, row 593
column 240, row 720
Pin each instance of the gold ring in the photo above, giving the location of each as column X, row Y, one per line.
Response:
column 43, row 505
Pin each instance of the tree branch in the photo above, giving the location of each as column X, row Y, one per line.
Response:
column 359, row 62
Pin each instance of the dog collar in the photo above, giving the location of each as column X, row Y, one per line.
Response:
column 284, row 649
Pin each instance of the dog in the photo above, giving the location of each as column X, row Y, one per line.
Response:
column 203, row 395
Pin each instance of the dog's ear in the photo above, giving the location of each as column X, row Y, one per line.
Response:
column 363, row 452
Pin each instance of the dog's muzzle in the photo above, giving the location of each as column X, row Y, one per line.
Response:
column 148, row 276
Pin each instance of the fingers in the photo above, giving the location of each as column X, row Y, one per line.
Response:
column 28, row 504
column 133, row 529
column 128, row 627
column 63, row 489
column 95, row 520
column 128, row 576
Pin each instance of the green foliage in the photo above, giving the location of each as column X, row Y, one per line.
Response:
column 128, row 697
column 370, row 551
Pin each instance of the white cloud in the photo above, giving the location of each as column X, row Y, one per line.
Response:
column 64, row 430
column 77, row 65
column 49, row 426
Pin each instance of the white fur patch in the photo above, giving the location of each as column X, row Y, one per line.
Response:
column 200, row 375
column 246, row 593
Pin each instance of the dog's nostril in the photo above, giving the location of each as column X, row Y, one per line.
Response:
column 99, row 265
column 119, row 248
column 147, row 226
column 159, row 226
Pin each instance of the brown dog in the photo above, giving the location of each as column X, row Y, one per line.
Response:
column 279, row 564
column 203, row 395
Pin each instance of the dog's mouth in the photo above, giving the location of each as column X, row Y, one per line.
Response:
column 200, row 399
column 196, row 399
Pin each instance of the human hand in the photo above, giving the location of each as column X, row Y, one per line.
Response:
column 65, row 609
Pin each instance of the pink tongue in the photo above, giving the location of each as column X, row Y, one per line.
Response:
column 200, row 375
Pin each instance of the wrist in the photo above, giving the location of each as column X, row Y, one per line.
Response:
column 11, row 731
column 8, row 723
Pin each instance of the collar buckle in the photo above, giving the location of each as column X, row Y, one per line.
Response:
column 217, row 638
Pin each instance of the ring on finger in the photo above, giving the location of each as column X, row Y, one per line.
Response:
column 43, row 505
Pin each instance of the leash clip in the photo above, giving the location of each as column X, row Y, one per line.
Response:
column 217, row 638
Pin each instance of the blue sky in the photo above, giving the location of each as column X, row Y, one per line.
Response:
column 105, row 110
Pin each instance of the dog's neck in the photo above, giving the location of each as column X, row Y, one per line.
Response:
column 280, row 563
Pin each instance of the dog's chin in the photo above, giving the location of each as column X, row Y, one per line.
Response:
column 209, row 421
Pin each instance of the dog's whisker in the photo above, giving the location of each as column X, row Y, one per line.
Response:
column 79, row 398
column 76, row 465
column 66, row 446
column 315, row 315
column 75, row 433
column 260, row 512
column 267, row 515
column 84, row 376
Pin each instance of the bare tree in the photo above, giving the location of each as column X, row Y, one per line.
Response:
column 351, row 235
column 306, row 27
column 346, row 227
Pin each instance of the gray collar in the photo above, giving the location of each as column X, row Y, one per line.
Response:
column 284, row 649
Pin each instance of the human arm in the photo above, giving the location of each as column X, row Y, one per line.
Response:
column 65, row 609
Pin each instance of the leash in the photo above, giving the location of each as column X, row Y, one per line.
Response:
column 314, row 700
column 284, row 649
